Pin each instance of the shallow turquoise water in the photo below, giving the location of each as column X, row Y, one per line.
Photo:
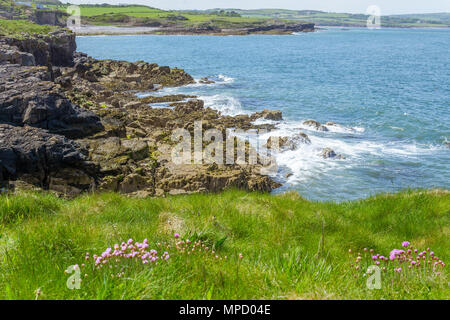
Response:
column 389, row 89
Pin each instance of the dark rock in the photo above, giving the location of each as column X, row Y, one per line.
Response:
column 12, row 55
column 28, row 97
column 329, row 153
column 55, row 49
column 275, row 115
column 288, row 143
column 316, row 125
column 205, row 80
column 37, row 153
column 301, row 27
column 188, row 107
column 53, row 17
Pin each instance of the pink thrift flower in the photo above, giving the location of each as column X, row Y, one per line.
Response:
column 176, row 235
column 405, row 244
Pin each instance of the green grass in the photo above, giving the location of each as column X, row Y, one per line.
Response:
column 111, row 15
column 292, row 248
column 22, row 28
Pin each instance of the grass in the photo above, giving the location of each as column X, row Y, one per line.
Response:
column 22, row 28
column 292, row 248
column 112, row 15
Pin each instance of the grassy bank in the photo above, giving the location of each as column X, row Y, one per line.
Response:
column 21, row 28
column 290, row 248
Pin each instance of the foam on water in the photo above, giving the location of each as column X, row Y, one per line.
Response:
column 226, row 104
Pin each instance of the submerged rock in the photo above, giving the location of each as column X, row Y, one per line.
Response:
column 288, row 143
column 205, row 80
column 328, row 153
column 316, row 125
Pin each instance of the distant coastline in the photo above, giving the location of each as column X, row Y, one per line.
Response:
column 91, row 30
column 276, row 29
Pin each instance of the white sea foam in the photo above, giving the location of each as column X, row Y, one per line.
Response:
column 307, row 162
column 227, row 105
column 218, row 81
column 225, row 79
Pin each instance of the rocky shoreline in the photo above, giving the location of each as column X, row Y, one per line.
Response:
column 70, row 123
column 273, row 29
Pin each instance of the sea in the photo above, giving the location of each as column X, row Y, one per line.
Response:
column 388, row 90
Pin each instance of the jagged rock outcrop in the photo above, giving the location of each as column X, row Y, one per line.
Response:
column 54, row 17
column 35, row 155
column 29, row 97
column 54, row 49
column 124, row 75
column 275, row 115
column 12, row 55
column 119, row 142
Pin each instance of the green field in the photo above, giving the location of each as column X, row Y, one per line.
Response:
column 134, row 14
column 21, row 28
column 265, row 246
column 141, row 15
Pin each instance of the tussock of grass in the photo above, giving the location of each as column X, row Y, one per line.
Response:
column 292, row 248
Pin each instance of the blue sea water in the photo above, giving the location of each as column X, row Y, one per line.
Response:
column 389, row 90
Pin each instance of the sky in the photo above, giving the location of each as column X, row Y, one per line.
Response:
column 351, row 6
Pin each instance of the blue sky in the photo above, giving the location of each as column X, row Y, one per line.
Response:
column 352, row 6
